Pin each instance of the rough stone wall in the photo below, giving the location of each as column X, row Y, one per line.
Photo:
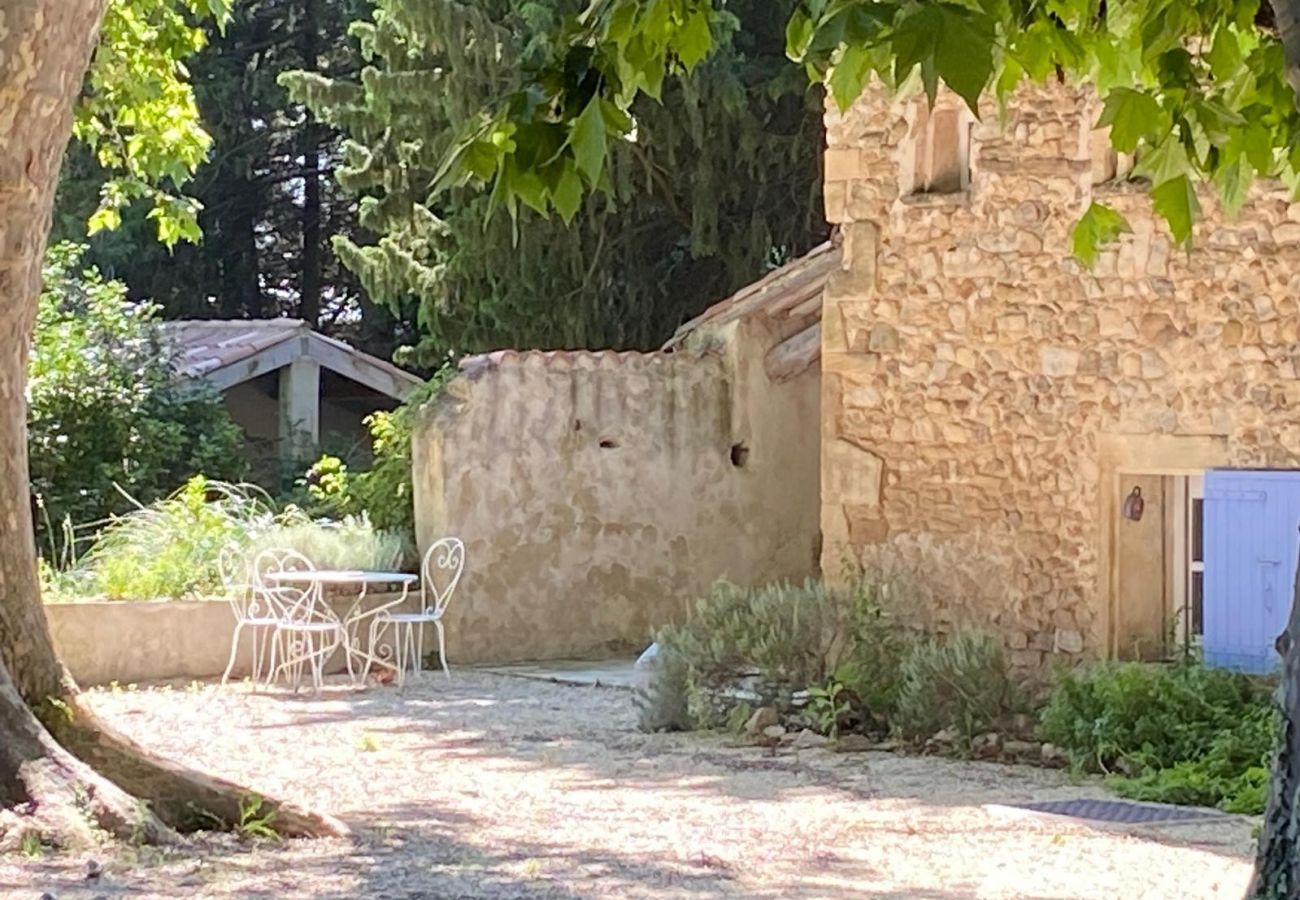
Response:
column 596, row 494
column 982, row 390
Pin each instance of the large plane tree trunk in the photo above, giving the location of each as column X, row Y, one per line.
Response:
column 1277, row 858
column 61, row 769
column 1277, row 862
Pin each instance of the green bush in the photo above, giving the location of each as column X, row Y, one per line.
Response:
column 1184, row 733
column 953, row 681
column 781, row 639
column 383, row 492
column 107, row 418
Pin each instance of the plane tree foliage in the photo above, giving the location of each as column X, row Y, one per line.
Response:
column 1200, row 90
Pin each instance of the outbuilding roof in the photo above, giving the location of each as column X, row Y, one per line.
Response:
column 790, row 297
column 226, row 352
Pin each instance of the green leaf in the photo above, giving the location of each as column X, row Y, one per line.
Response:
column 1234, row 180
column 588, row 141
column 695, row 39
column 1099, row 225
column 106, row 218
column 798, row 35
column 1175, row 200
column 956, row 41
column 1131, row 115
column 567, row 195
column 849, row 76
column 1225, row 54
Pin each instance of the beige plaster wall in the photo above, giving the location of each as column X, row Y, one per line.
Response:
column 138, row 641
column 596, row 493
column 985, row 395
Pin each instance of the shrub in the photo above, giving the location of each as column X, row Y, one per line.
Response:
column 779, row 639
column 383, row 492
column 105, row 410
column 954, row 681
column 1185, row 733
column 778, row 633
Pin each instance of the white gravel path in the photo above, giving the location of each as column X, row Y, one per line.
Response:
column 496, row 787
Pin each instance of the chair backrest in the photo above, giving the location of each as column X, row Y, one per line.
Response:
column 440, row 572
column 288, row 601
column 236, row 577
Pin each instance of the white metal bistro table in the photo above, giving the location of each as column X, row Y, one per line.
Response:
column 356, row 613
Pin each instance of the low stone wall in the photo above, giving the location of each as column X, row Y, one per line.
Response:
column 135, row 641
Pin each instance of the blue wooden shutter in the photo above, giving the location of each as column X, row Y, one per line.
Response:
column 1251, row 539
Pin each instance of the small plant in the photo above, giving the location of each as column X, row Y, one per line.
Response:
column 829, row 707
column 255, row 819
column 955, row 681
column 32, row 846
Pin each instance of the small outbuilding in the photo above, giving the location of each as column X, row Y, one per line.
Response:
column 290, row 388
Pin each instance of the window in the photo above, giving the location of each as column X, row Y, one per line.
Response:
column 941, row 150
column 1189, row 556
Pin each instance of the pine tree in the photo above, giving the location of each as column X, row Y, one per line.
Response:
column 723, row 180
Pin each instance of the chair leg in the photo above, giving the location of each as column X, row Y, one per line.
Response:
column 442, row 648
column 234, row 651
column 400, row 635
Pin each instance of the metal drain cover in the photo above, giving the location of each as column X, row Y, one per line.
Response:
column 1123, row 812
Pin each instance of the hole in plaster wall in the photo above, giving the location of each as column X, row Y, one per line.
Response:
column 577, row 424
column 739, row 455
column 608, row 444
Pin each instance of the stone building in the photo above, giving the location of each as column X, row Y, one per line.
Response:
column 988, row 404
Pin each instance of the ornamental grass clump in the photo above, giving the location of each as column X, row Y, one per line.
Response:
column 173, row 548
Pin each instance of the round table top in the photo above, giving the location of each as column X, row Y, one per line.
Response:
column 332, row 576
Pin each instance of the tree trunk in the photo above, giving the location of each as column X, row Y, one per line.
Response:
column 1277, row 862
column 45, row 46
column 309, row 286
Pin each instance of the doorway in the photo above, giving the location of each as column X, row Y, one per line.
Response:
column 1159, row 563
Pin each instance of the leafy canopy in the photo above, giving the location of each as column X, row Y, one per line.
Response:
column 137, row 112
column 1197, row 88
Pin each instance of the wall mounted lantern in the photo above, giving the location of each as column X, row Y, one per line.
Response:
column 1133, row 505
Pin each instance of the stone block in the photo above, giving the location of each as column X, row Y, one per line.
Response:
column 843, row 165
column 866, row 525
column 1058, row 361
column 1069, row 641
column 1026, row 659
column 883, row 338
column 851, row 474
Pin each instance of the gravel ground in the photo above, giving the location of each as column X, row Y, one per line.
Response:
column 495, row 787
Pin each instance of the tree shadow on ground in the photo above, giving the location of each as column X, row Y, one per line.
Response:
column 429, row 849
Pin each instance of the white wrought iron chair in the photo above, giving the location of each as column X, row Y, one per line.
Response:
column 306, row 632
column 253, row 609
column 440, row 572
